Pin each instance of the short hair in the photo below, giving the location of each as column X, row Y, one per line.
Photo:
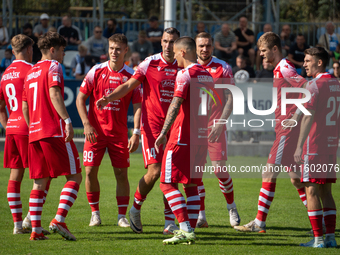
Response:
column 142, row 33
column 82, row 47
column 320, row 54
column 49, row 40
column 203, row 35
column 9, row 51
column 172, row 31
column 27, row 25
column 270, row 39
column 114, row 21
column 119, row 38
column 186, row 42
column 300, row 35
column 242, row 57
column 21, row 42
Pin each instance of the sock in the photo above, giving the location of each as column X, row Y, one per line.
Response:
column 201, row 193
column 44, row 198
column 168, row 214
column 315, row 218
column 265, row 199
column 123, row 203
column 185, row 226
column 36, row 203
column 67, row 197
column 14, row 201
column 227, row 188
column 302, row 194
column 193, row 204
column 93, row 198
column 329, row 214
column 138, row 201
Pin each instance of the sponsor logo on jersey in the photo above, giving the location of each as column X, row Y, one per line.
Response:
column 103, row 75
column 33, row 75
column 12, row 75
column 170, row 70
column 213, row 70
column 168, row 83
column 113, row 77
column 159, row 68
column 205, row 78
column 56, row 77
column 334, row 88
column 125, row 79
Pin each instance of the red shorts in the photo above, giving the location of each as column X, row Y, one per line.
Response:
column 319, row 169
column 150, row 155
column 218, row 150
column 176, row 168
column 16, row 151
column 118, row 152
column 52, row 157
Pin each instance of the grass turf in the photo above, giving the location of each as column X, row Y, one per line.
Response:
column 287, row 222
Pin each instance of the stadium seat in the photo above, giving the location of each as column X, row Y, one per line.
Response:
column 2, row 54
column 69, row 55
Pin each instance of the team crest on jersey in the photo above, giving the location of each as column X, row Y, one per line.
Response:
column 124, row 79
column 56, row 77
column 103, row 75
column 213, row 70
column 159, row 68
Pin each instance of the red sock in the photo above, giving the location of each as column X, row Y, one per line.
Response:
column 176, row 201
column 201, row 193
column 265, row 199
column 168, row 214
column 302, row 194
column 227, row 188
column 14, row 200
column 123, row 203
column 329, row 214
column 93, row 198
column 138, row 201
column 315, row 218
column 67, row 197
column 193, row 204
column 36, row 203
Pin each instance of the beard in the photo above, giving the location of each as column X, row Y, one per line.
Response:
column 204, row 58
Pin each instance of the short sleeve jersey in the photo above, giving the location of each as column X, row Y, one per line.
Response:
column 324, row 133
column 12, row 85
column 45, row 122
column 158, row 78
column 190, row 126
column 101, row 80
column 222, row 74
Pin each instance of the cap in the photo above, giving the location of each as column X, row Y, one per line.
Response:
column 153, row 18
column 44, row 16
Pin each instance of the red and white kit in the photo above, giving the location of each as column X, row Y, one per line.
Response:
column 12, row 85
column 284, row 146
column 111, row 122
column 189, row 134
column 158, row 78
column 319, row 150
column 49, row 155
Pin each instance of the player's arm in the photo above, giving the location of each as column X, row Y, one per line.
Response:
column 169, row 120
column 25, row 112
column 59, row 105
column 118, row 93
column 306, row 124
column 3, row 114
column 89, row 130
column 134, row 140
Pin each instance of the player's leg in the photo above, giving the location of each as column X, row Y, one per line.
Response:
column 300, row 187
column 169, row 225
column 202, row 220
column 122, row 195
column 193, row 203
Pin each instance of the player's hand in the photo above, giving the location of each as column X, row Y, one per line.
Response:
column 90, row 133
column 101, row 103
column 161, row 139
column 289, row 123
column 69, row 132
column 215, row 133
column 133, row 143
column 297, row 156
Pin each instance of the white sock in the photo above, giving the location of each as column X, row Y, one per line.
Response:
column 185, row 226
column 60, row 218
column 318, row 239
column 18, row 224
column 201, row 215
column 96, row 213
column 120, row 216
column 168, row 222
column 37, row 230
column 231, row 206
column 134, row 210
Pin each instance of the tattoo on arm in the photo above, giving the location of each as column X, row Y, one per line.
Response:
column 172, row 114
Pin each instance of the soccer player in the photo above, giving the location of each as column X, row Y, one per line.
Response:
column 188, row 140
column 217, row 146
column 158, row 74
column 317, row 146
column 281, row 153
column 108, row 128
column 52, row 151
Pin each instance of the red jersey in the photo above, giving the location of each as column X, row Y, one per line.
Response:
column 12, row 85
column 222, row 74
column 191, row 123
column 285, row 76
column 44, row 120
column 324, row 133
column 112, row 119
column 158, row 78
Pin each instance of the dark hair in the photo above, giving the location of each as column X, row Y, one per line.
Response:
column 153, row 18
column 172, row 31
column 21, row 42
column 320, row 54
column 203, row 35
column 27, row 25
column 49, row 40
column 119, row 38
column 114, row 21
column 187, row 43
column 9, row 51
column 270, row 39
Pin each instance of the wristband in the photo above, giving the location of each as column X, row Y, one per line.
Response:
column 298, row 111
column 136, row 131
column 68, row 121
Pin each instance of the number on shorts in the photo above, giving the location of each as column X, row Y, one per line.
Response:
column 88, row 156
column 331, row 103
column 34, row 85
column 11, row 93
column 151, row 153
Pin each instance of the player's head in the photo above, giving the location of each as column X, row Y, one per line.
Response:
column 316, row 61
column 118, row 47
column 52, row 46
column 269, row 45
column 24, row 45
column 204, row 46
column 169, row 36
column 184, row 49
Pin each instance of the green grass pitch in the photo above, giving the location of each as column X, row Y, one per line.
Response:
column 287, row 222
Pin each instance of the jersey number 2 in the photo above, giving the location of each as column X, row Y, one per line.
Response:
column 331, row 103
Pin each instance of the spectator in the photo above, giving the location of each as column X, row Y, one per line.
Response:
column 242, row 71
column 287, row 39
column 200, row 27
column 266, row 28
column 7, row 60
column 84, row 67
column 52, row 29
column 296, row 54
column 225, row 43
column 79, row 58
column 142, row 46
column 330, row 40
column 111, row 28
column 266, row 74
column 4, row 39
column 97, row 44
column 336, row 70
column 134, row 60
column 245, row 39
column 154, row 34
column 28, row 30
column 43, row 27
column 70, row 33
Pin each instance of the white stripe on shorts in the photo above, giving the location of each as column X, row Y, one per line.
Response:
column 71, row 159
column 168, row 167
column 279, row 152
